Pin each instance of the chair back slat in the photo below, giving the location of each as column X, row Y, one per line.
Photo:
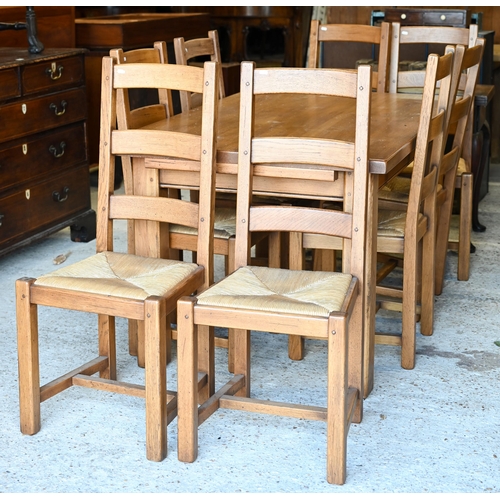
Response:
column 149, row 75
column 163, row 209
column 157, row 143
column 303, row 220
column 305, row 151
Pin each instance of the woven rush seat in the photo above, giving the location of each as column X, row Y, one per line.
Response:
column 392, row 223
column 280, row 290
column 397, row 189
column 120, row 275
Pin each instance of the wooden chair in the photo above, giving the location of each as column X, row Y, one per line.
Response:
column 181, row 238
column 186, row 50
column 376, row 35
column 395, row 193
column 412, row 232
column 139, row 286
column 287, row 301
column 442, row 35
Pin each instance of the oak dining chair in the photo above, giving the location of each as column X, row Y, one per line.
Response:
column 189, row 50
column 376, row 36
column 140, row 286
column 286, row 301
column 411, row 232
column 181, row 238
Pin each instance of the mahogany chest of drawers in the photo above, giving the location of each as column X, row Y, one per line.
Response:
column 44, row 168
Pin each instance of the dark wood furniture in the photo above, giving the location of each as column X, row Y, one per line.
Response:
column 44, row 172
column 237, row 25
column 126, row 31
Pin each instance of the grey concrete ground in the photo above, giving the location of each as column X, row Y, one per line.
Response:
column 433, row 429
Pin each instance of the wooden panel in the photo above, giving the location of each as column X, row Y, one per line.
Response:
column 41, row 114
column 39, row 156
column 52, row 75
column 138, row 30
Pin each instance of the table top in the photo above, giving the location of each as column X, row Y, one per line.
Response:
column 394, row 123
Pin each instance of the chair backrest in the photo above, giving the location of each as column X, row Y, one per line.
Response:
column 186, row 50
column 375, row 35
column 143, row 115
column 461, row 109
column 431, row 136
column 350, row 158
column 148, row 208
column 406, row 35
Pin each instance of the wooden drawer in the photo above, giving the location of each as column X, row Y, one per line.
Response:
column 42, row 155
column 448, row 18
column 41, row 205
column 48, row 75
column 9, row 84
column 27, row 117
column 428, row 17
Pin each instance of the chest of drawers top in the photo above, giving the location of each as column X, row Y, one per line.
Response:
column 24, row 74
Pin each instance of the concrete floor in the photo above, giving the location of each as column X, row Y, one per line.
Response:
column 432, row 429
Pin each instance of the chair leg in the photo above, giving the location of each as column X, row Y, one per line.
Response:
column 428, row 280
column 230, row 332
column 28, row 362
column 187, row 386
column 337, row 403
column 140, row 345
column 409, row 318
column 206, row 360
column 107, row 344
column 296, row 261
column 132, row 337
column 156, row 379
column 465, row 227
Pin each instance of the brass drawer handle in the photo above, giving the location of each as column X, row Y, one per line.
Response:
column 53, row 150
column 52, row 71
column 56, row 196
column 1, row 217
column 54, row 108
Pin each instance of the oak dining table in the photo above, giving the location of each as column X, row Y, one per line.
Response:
column 393, row 131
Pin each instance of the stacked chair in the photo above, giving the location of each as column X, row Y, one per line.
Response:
column 138, row 286
column 444, row 35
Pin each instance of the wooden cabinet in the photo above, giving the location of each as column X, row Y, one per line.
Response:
column 44, row 168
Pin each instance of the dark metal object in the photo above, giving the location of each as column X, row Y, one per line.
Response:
column 35, row 46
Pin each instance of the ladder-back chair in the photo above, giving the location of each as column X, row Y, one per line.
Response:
column 326, row 304
column 377, row 36
column 439, row 37
column 411, row 232
column 139, row 286
column 395, row 193
column 186, row 50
